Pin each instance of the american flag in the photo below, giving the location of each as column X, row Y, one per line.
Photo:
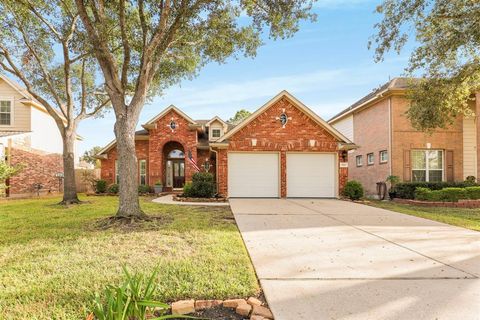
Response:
column 192, row 161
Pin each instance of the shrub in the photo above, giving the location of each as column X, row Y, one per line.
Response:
column 353, row 190
column 423, row 194
column 113, row 188
column 187, row 189
column 406, row 190
column 473, row 192
column 446, row 194
column 202, row 186
column 470, row 180
column 100, row 186
column 143, row 189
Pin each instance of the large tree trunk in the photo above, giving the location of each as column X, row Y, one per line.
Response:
column 129, row 205
column 69, row 186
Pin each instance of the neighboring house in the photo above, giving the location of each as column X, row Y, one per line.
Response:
column 28, row 136
column 282, row 150
column 389, row 145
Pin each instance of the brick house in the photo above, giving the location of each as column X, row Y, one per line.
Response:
column 282, row 150
column 389, row 145
column 28, row 136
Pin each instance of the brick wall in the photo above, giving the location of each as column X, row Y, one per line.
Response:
column 108, row 165
column 406, row 138
column 161, row 136
column 270, row 136
column 38, row 168
column 371, row 132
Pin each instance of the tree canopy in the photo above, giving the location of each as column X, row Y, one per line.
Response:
column 446, row 56
column 239, row 116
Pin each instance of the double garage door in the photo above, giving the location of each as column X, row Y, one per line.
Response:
column 257, row 175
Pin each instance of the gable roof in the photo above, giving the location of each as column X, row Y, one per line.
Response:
column 152, row 121
column 216, row 118
column 399, row 84
column 298, row 104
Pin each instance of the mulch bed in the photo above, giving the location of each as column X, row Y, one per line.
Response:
column 187, row 199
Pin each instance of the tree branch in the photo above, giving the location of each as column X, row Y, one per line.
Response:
column 126, row 45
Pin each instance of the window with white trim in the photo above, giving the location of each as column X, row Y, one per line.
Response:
column 383, row 156
column 142, row 172
column 427, row 165
column 5, row 112
column 117, row 177
column 359, row 160
column 370, row 159
column 216, row 133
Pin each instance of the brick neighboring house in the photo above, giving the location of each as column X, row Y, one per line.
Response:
column 28, row 136
column 389, row 145
column 282, row 150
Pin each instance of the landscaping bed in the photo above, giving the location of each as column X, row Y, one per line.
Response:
column 182, row 198
column 53, row 259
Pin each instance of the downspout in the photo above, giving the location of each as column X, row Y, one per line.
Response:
column 390, row 120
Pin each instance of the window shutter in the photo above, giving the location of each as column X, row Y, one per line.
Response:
column 407, row 168
column 449, row 166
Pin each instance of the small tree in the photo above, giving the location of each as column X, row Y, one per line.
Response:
column 42, row 44
column 239, row 116
column 6, row 172
column 89, row 156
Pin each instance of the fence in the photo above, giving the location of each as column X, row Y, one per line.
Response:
column 83, row 178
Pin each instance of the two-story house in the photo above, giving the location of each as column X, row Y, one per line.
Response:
column 389, row 145
column 28, row 136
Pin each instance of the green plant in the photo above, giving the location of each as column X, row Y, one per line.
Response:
column 113, row 188
column 100, row 186
column 158, row 183
column 202, row 186
column 470, row 180
column 143, row 189
column 445, row 194
column 353, row 190
column 187, row 189
column 133, row 299
column 393, row 181
column 406, row 190
column 473, row 192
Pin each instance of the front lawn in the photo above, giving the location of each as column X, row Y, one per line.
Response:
column 466, row 218
column 53, row 259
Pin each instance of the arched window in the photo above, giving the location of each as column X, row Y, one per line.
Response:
column 176, row 154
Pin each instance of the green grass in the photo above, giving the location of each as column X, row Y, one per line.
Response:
column 53, row 259
column 466, row 218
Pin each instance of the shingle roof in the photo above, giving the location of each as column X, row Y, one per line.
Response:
column 395, row 83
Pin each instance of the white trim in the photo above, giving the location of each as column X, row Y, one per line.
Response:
column 370, row 163
column 427, row 168
column 12, row 112
column 217, row 118
column 298, row 104
column 140, row 172
column 165, row 111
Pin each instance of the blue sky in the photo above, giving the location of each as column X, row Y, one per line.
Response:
column 326, row 65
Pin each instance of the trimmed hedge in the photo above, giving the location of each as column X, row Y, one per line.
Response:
column 113, row 188
column 447, row 194
column 406, row 190
column 100, row 186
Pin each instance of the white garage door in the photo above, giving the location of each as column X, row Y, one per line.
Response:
column 253, row 175
column 311, row 175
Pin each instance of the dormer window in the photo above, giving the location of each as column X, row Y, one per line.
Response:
column 216, row 133
column 5, row 113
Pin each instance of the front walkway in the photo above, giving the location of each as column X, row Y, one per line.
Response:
column 330, row 259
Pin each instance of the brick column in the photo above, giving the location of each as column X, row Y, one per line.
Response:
column 283, row 174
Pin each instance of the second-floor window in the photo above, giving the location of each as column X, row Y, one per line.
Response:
column 215, row 133
column 383, row 156
column 5, row 112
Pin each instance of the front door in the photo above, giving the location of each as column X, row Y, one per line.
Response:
column 178, row 173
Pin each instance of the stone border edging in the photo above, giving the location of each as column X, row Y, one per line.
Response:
column 187, row 199
column 460, row 204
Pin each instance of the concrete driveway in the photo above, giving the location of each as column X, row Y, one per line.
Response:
column 331, row 259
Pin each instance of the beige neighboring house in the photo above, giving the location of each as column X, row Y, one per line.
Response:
column 389, row 145
column 28, row 136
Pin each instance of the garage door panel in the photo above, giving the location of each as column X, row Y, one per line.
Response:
column 311, row 175
column 253, row 175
